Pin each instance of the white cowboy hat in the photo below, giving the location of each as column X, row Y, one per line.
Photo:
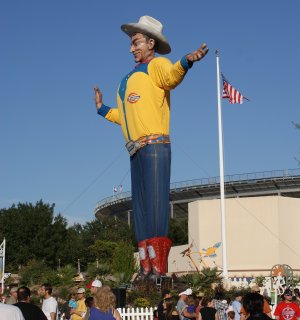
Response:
column 150, row 27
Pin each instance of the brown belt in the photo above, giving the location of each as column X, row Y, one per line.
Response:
column 134, row 146
column 153, row 138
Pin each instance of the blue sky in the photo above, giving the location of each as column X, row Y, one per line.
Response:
column 54, row 147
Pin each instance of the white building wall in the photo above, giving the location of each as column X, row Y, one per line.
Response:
column 260, row 231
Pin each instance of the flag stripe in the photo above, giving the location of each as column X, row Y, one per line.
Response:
column 230, row 93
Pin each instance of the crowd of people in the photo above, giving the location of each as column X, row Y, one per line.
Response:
column 100, row 304
column 251, row 306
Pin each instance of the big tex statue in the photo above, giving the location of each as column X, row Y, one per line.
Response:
column 143, row 112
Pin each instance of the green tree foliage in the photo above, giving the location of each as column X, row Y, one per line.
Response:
column 102, row 250
column 72, row 248
column 123, row 262
column 178, row 232
column 100, row 238
column 66, row 274
column 106, row 228
column 103, row 269
column 37, row 272
column 202, row 281
column 33, row 232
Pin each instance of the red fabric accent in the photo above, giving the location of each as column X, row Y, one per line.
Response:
column 159, row 249
column 144, row 260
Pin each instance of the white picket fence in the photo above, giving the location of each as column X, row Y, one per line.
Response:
column 136, row 313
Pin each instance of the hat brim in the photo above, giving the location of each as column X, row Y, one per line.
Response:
column 162, row 45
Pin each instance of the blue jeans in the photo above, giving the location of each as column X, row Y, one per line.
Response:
column 150, row 187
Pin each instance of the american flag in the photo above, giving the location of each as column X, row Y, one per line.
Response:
column 230, row 93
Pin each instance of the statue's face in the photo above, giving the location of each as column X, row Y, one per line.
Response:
column 141, row 48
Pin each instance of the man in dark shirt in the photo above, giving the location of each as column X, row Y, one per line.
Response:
column 29, row 310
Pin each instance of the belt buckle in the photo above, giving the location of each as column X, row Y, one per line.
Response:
column 132, row 147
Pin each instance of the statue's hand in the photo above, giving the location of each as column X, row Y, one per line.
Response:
column 98, row 97
column 198, row 54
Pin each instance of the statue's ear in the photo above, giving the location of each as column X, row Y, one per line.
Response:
column 151, row 43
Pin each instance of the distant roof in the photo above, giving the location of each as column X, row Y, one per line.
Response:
column 277, row 182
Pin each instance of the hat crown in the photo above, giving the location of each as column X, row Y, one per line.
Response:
column 151, row 27
column 97, row 283
column 152, row 23
column 187, row 292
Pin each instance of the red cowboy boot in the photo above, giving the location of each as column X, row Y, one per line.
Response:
column 158, row 249
column 144, row 258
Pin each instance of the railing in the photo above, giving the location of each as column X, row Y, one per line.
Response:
column 177, row 186
column 136, row 313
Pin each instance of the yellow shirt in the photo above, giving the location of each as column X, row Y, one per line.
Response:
column 144, row 98
column 81, row 307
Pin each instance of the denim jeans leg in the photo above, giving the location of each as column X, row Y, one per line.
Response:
column 150, row 185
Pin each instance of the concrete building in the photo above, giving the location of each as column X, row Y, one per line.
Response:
column 260, row 231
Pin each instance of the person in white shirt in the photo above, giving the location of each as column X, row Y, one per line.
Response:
column 9, row 312
column 49, row 305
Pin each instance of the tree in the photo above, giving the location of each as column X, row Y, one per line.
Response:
column 37, row 272
column 102, row 250
column 123, row 262
column 204, row 280
column 72, row 247
column 33, row 232
column 107, row 228
column 179, row 231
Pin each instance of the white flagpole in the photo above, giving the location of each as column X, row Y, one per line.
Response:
column 2, row 254
column 222, row 193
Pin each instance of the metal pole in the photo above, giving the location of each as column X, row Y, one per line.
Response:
column 222, row 193
column 128, row 217
column 2, row 251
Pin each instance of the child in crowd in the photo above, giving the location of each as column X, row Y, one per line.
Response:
column 72, row 301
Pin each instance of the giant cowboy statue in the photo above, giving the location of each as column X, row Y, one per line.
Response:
column 144, row 115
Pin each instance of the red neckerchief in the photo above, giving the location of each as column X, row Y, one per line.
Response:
column 143, row 62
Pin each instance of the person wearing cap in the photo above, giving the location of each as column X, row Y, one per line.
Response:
column 49, row 306
column 143, row 113
column 266, row 307
column 287, row 309
column 79, row 312
column 182, row 305
column 13, row 296
column 96, row 284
